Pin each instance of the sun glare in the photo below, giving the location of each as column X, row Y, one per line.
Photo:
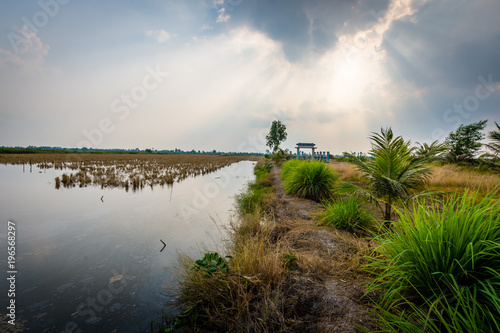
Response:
column 349, row 81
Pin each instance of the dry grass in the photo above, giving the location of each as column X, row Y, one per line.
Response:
column 448, row 177
column 124, row 170
column 346, row 170
column 323, row 251
column 453, row 178
column 248, row 298
column 262, row 293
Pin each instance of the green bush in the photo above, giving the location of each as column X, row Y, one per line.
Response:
column 288, row 167
column 311, row 180
column 346, row 214
column 439, row 271
column 281, row 156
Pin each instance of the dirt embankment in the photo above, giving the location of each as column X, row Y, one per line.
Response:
column 328, row 286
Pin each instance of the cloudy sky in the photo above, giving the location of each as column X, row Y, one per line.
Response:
column 214, row 74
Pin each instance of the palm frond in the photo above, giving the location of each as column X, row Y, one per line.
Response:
column 395, row 169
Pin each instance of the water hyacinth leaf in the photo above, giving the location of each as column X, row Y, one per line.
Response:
column 211, row 263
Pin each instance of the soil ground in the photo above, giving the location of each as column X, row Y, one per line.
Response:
column 328, row 286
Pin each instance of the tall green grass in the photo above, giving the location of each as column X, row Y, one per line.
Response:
column 309, row 179
column 255, row 197
column 439, row 271
column 346, row 214
column 288, row 167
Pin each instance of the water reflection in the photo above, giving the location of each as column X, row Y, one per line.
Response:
column 97, row 265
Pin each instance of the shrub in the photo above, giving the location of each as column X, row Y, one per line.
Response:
column 442, row 264
column 281, row 156
column 311, row 180
column 288, row 167
column 346, row 214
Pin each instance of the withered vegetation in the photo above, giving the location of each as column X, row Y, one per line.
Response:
column 128, row 171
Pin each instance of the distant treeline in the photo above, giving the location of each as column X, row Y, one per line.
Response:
column 59, row 150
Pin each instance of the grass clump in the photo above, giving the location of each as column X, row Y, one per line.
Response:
column 309, row 179
column 439, row 271
column 346, row 214
column 288, row 167
column 249, row 201
column 256, row 195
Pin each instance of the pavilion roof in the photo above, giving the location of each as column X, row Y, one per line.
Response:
column 305, row 145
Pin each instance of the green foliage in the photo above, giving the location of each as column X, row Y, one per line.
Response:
column 311, row 180
column 439, row 271
column 210, row 264
column 267, row 167
column 288, row 167
column 281, row 156
column 465, row 142
column 255, row 197
column 431, row 151
column 495, row 145
column 289, row 262
column 346, row 214
column 277, row 134
column 394, row 174
column 347, row 157
column 251, row 200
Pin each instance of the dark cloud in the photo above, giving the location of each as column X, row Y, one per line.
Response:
column 305, row 27
column 448, row 44
column 442, row 53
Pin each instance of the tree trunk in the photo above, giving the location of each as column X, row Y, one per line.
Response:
column 387, row 213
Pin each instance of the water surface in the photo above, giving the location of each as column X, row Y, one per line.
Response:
column 89, row 258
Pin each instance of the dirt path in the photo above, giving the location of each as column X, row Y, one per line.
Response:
column 327, row 287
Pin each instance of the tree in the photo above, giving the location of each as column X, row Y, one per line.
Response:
column 465, row 142
column 394, row 173
column 433, row 150
column 277, row 134
column 495, row 145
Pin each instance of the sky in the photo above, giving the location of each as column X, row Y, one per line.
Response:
column 214, row 74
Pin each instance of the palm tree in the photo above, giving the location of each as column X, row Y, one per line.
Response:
column 432, row 151
column 495, row 145
column 394, row 172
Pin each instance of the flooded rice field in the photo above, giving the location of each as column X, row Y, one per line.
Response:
column 89, row 257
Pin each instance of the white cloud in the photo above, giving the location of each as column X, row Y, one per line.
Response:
column 223, row 16
column 29, row 50
column 160, row 35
